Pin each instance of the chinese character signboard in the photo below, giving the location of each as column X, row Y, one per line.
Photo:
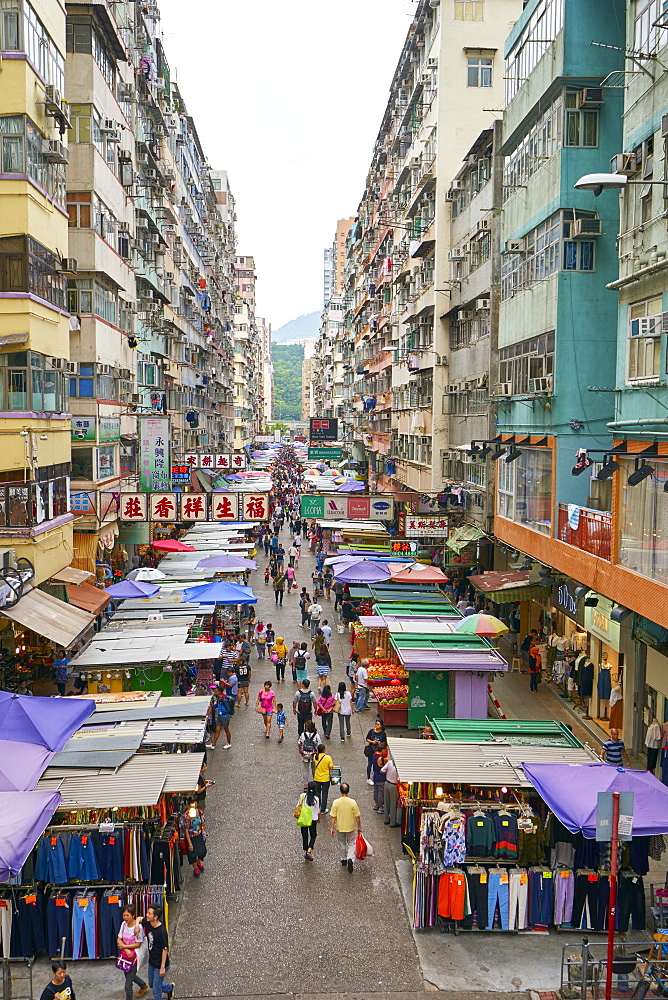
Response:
column 430, row 525
column 194, row 507
column 254, row 506
column 110, row 428
column 324, row 430
column 155, row 465
column 83, row 428
column 324, row 454
column 354, row 508
column 180, row 475
column 401, row 547
column 224, row 507
column 133, row 507
column 83, row 503
column 162, row 506
column 225, row 462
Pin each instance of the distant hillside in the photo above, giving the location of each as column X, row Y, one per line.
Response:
column 304, row 327
column 288, row 360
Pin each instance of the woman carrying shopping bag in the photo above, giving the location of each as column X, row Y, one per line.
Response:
column 130, row 938
column 307, row 816
column 344, row 708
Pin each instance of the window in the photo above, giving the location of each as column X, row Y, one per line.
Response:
column 543, row 255
column 540, row 30
column 644, row 522
column 524, row 489
column 82, row 463
column 9, row 25
column 538, row 145
column 85, row 126
column 479, row 72
column 106, row 462
column 80, row 296
column 647, row 35
column 82, row 37
column 22, row 30
column 469, row 10
column 532, row 358
column 78, row 209
column 21, row 153
column 581, row 125
column 29, row 382
column 645, row 339
column 27, row 266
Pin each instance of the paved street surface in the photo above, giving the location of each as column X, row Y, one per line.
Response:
column 261, row 920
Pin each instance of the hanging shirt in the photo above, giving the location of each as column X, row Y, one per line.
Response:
column 480, row 836
column 506, row 836
column 454, row 841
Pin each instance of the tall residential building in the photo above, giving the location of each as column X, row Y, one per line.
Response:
column 35, row 518
column 335, row 260
column 247, row 356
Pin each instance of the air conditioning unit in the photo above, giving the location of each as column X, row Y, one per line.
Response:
column 68, row 265
column 108, row 125
column 58, row 363
column 135, row 397
column 623, row 163
column 456, row 254
column 54, row 151
column 466, row 314
column 585, row 227
column 482, row 304
column 542, row 384
column 53, row 99
column 432, row 63
column 402, row 95
column 155, row 237
column 484, row 225
column 73, row 367
column 457, row 184
column 125, row 91
column 502, row 389
column 515, row 246
column 124, row 373
column 441, row 359
column 590, row 97
column 124, row 227
column 648, row 325
column 105, row 370
column 114, row 135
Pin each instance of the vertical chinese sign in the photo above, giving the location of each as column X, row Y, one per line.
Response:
column 155, row 463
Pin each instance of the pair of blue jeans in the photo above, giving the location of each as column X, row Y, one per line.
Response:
column 497, row 891
column 82, row 860
column 361, row 699
column 84, row 919
column 155, row 980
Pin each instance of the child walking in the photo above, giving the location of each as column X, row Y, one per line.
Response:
column 280, row 721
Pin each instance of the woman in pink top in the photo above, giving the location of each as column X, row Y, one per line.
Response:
column 130, row 937
column 266, row 706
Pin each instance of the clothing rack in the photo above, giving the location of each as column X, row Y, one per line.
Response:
column 58, row 828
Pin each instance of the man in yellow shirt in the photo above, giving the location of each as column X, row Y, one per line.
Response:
column 346, row 822
column 322, row 772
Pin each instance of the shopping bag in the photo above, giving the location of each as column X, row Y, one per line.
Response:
column 369, row 848
column 360, row 847
column 305, row 817
column 124, row 963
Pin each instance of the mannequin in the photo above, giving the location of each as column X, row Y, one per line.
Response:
column 604, row 685
column 616, row 707
column 586, row 686
column 578, row 639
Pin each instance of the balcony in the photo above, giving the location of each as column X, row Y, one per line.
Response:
column 593, row 533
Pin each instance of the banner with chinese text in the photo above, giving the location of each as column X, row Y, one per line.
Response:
column 169, row 506
column 154, row 452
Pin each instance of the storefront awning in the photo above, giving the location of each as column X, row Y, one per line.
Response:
column 72, row 575
column 463, row 535
column 50, row 617
column 89, row 598
column 508, row 586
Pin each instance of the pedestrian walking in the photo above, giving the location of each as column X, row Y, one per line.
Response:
column 379, row 760
column 291, row 658
column 337, row 590
column 304, row 605
column 280, row 556
column 270, row 634
column 278, row 655
column 307, row 815
column 222, row 708
column 301, row 664
column 60, row 987
column 290, row 579
column 60, row 672
column 613, row 751
column 322, row 775
column 327, row 580
column 293, row 552
column 534, row 669
column 279, row 586
column 315, row 614
column 302, row 705
column 158, row 949
column 528, row 641
column 351, row 668
column 391, row 794
column 195, row 839
column 129, row 940
column 308, row 744
column 346, row 822
column 260, row 639
column 362, row 687
column 326, row 630
column 374, row 740
column 243, row 679
column 265, row 705
column 325, row 709
column 323, row 662
column 343, row 707
column 267, row 543
column 280, row 721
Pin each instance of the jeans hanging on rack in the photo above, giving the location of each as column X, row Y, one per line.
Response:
column 541, row 896
column 111, row 917
column 84, row 919
column 50, row 866
column 476, row 879
column 6, row 926
column 630, row 903
column 82, row 860
column 518, row 897
column 585, row 900
column 563, row 892
column 110, row 856
column 497, row 890
column 59, row 923
column 31, row 922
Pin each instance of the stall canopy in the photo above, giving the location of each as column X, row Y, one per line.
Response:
column 571, row 792
column 21, row 765
column 462, row 535
column 87, row 598
column 419, row 573
column 361, row 571
column 48, row 616
column 220, row 593
column 507, row 586
column 48, row 722
column 131, row 588
column 25, row 816
column 72, row 575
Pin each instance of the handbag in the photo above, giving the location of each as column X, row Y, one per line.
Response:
column 318, row 710
column 125, row 964
column 337, row 706
column 305, row 817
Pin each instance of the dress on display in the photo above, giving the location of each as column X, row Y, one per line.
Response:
column 604, row 683
column 616, row 708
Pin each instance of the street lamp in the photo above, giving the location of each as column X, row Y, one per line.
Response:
column 607, row 182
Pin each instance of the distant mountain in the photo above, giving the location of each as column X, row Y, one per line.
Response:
column 305, row 327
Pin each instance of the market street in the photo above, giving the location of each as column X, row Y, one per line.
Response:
column 261, row 920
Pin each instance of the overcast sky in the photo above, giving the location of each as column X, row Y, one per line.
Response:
column 288, row 98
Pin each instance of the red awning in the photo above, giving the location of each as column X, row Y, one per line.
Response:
column 88, row 598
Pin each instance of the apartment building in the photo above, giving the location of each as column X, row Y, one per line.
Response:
column 398, row 274
column 248, row 361
column 35, row 518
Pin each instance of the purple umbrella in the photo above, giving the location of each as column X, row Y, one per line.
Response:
column 22, row 765
column 362, row 571
column 219, row 593
column 227, row 562
column 571, row 792
column 25, row 816
column 351, row 486
column 131, row 588
column 48, row 722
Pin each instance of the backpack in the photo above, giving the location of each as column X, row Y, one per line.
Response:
column 227, row 705
column 304, row 705
column 300, row 663
column 311, row 743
